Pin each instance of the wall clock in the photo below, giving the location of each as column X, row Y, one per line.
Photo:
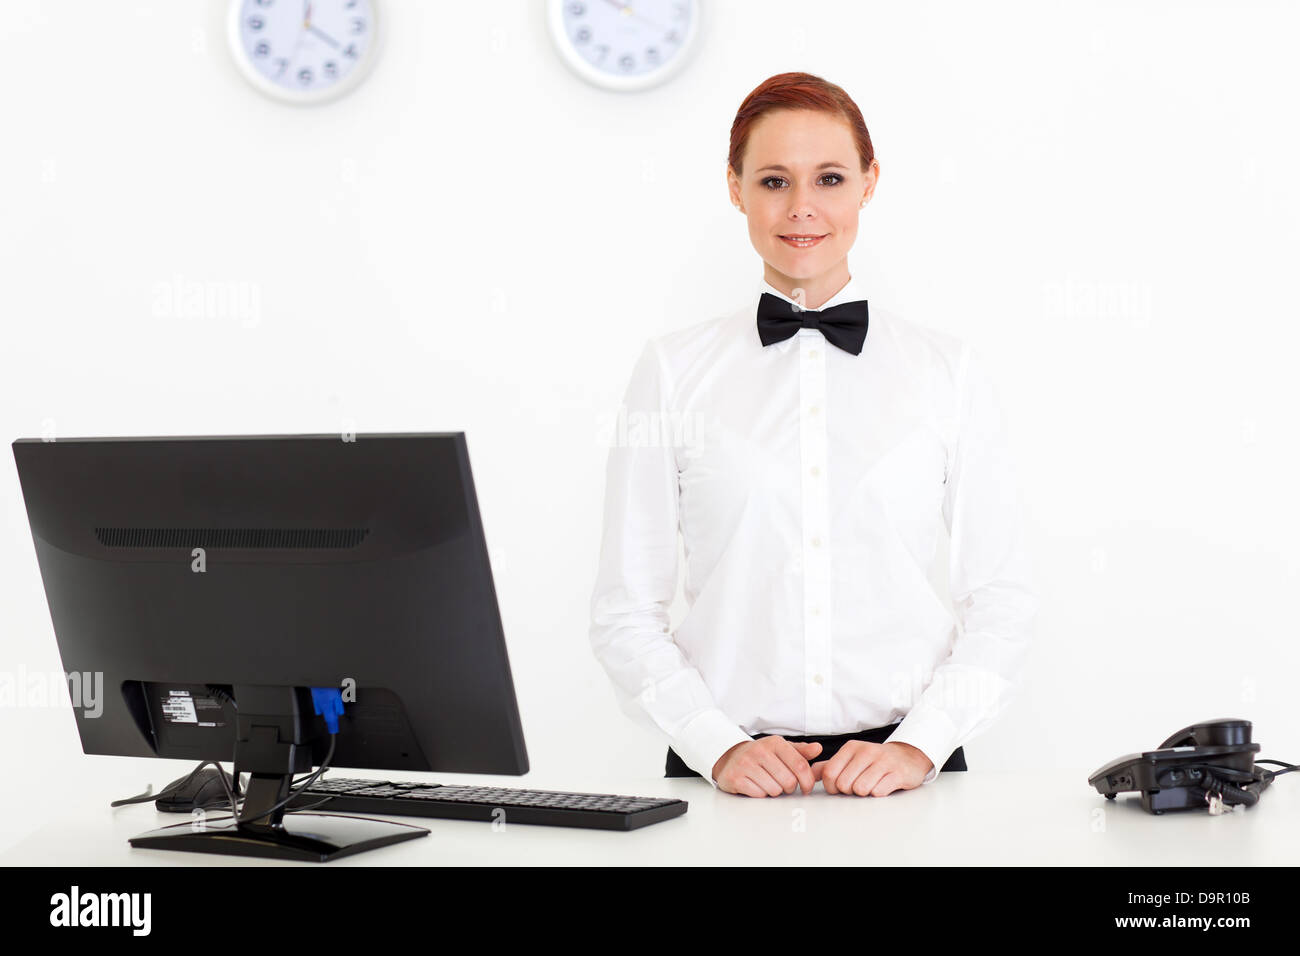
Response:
column 624, row 45
column 304, row 51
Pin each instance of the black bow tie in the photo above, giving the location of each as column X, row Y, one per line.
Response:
column 843, row 325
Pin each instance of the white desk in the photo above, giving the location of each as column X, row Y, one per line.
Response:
column 972, row 818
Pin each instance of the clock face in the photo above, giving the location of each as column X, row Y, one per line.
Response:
column 303, row 51
column 624, row 44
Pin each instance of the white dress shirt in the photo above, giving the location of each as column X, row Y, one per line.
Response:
column 809, row 486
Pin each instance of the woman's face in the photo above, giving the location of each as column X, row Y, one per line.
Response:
column 802, row 176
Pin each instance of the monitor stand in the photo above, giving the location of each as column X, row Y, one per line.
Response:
column 272, row 745
column 311, row 837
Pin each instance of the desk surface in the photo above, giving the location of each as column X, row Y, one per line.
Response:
column 972, row 818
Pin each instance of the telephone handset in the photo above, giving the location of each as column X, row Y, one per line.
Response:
column 1210, row 764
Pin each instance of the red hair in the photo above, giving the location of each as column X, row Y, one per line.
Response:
column 798, row 91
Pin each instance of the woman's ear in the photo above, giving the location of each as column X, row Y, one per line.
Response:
column 872, row 177
column 733, row 187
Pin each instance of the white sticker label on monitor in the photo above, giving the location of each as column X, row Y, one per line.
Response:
column 178, row 708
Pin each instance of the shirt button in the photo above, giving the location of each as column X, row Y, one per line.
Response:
column 812, row 353
column 816, row 612
column 812, row 410
column 815, row 471
column 816, row 542
column 817, row 678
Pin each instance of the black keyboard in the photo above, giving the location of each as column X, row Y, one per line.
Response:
column 597, row 811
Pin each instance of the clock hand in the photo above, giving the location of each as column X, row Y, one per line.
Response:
column 328, row 39
column 648, row 22
column 306, row 25
column 306, row 21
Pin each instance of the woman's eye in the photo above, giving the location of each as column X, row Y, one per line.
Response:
column 777, row 179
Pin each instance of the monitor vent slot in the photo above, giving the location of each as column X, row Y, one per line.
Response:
column 231, row 537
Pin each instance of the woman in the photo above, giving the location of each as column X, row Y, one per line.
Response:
column 809, row 467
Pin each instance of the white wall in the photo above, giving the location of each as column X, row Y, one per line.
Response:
column 1101, row 196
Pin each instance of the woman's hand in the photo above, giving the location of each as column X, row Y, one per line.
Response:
column 877, row 770
column 767, row 767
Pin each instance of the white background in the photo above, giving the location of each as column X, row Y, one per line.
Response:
column 1100, row 196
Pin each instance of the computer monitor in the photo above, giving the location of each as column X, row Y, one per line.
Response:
column 209, row 583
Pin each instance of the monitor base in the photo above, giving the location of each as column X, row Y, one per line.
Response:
column 309, row 837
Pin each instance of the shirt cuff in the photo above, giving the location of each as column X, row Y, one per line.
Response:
column 706, row 738
column 929, row 731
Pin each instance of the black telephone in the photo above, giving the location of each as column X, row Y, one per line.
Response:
column 1210, row 764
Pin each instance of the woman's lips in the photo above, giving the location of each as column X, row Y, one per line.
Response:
column 801, row 243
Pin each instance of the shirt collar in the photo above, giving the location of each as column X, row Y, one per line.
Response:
column 851, row 291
